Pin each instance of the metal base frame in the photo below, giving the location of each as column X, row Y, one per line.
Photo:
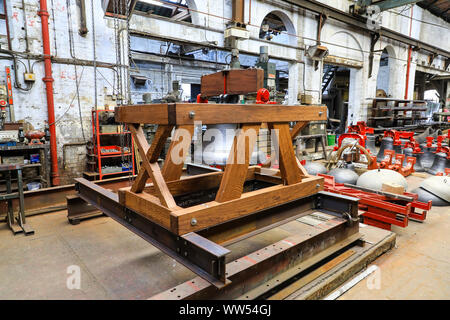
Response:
column 200, row 251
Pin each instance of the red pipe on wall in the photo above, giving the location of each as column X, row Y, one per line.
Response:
column 48, row 79
column 408, row 66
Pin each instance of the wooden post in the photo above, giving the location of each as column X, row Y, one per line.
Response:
column 238, row 161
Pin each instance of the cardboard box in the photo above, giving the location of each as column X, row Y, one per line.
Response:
column 13, row 159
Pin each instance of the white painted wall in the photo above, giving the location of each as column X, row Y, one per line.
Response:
column 209, row 21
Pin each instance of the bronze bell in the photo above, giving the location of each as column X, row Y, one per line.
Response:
column 439, row 164
column 422, row 137
column 408, row 152
column 427, row 157
column 370, row 144
column 387, row 143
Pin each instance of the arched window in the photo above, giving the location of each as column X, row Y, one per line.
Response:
column 276, row 27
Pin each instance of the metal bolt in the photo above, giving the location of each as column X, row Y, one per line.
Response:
column 191, row 114
column 320, row 113
column 317, row 185
column 193, row 222
column 185, row 253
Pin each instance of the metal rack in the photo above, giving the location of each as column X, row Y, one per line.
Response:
column 99, row 142
column 389, row 114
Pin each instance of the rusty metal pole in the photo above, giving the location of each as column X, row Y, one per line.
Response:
column 48, row 79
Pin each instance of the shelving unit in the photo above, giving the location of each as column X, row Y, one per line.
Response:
column 392, row 112
column 109, row 141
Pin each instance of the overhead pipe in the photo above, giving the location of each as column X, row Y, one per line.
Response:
column 48, row 80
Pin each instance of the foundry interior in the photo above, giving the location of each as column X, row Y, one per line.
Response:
column 239, row 149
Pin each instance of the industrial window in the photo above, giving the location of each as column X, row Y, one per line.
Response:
column 176, row 9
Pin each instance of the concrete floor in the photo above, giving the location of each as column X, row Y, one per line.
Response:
column 116, row 264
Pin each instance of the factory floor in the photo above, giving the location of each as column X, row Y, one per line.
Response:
column 116, row 264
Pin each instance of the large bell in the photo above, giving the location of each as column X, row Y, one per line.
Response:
column 425, row 196
column 370, row 144
column 439, row 164
column 387, row 143
column 313, row 168
column 408, row 152
column 374, row 179
column 343, row 175
column 439, row 186
column 422, row 137
column 427, row 157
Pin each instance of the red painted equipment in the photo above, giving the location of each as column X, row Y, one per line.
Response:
column 381, row 209
column 361, row 128
column 263, row 97
column 447, row 172
column 34, row 137
column 387, row 161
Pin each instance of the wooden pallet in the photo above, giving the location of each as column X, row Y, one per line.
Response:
column 157, row 200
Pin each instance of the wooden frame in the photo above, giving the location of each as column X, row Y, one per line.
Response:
column 156, row 201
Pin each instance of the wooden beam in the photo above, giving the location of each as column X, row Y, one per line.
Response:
column 289, row 168
column 179, row 147
column 152, row 169
column 297, row 128
column 186, row 114
column 214, row 213
column 200, row 182
column 153, row 153
column 237, row 164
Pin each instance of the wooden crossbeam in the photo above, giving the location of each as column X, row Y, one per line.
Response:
column 161, row 135
column 238, row 161
column 179, row 147
column 188, row 113
column 152, row 168
column 289, row 167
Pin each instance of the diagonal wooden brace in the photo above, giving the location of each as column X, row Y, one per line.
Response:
column 152, row 168
column 179, row 147
column 153, row 152
column 233, row 179
column 289, row 165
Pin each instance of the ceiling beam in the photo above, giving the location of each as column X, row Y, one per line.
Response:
column 360, row 23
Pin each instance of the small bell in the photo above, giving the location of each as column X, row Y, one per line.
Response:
column 387, row 143
column 439, row 164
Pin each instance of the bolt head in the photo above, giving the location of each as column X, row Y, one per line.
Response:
column 191, row 114
column 193, row 222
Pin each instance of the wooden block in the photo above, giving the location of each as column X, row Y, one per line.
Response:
column 392, row 188
column 146, row 205
column 232, row 82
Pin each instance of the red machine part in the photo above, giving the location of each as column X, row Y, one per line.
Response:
column 263, row 97
column 361, row 128
column 380, row 210
column 387, row 161
column 361, row 139
column 200, row 99
column 34, row 137
column 447, row 172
